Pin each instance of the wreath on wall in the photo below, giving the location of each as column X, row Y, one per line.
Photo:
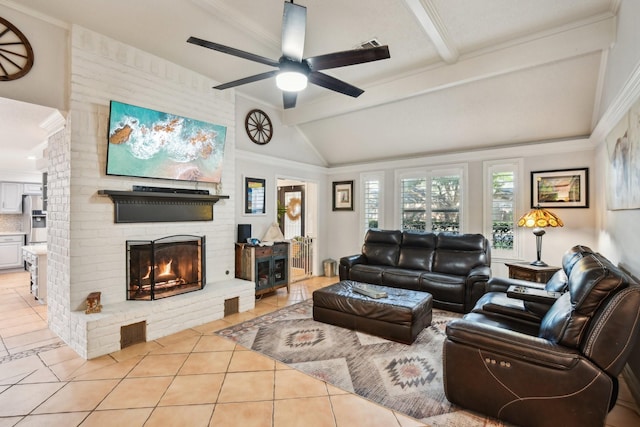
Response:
column 294, row 209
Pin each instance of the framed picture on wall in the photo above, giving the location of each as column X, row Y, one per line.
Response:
column 623, row 166
column 254, row 196
column 343, row 196
column 564, row 188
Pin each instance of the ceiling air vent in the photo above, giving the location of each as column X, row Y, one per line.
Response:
column 370, row 43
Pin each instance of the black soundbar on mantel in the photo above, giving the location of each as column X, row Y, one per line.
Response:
column 168, row 190
column 162, row 206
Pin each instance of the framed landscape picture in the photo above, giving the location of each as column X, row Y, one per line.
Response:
column 564, row 188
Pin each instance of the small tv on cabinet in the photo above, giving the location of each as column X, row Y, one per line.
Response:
column 146, row 143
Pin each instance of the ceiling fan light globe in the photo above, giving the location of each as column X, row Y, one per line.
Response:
column 291, row 81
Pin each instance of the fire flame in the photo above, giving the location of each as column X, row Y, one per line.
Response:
column 164, row 269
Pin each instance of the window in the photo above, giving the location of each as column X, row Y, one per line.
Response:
column 431, row 200
column 413, row 193
column 501, row 207
column 445, row 203
column 372, row 200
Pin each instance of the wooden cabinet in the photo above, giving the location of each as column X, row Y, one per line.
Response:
column 11, row 250
column 532, row 273
column 266, row 266
column 11, row 197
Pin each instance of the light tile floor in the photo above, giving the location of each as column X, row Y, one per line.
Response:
column 192, row 378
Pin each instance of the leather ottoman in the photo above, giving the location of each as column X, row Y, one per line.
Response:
column 400, row 316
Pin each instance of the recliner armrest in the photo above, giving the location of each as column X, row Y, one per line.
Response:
column 351, row 260
column 534, row 295
column 473, row 332
column 481, row 272
column 501, row 284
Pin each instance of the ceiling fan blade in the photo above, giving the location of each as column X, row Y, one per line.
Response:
column 289, row 99
column 348, row 57
column 232, row 51
column 246, row 80
column 294, row 23
column 334, row 84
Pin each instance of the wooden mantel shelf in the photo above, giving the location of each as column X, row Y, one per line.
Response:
column 151, row 206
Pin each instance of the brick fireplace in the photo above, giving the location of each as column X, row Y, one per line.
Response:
column 87, row 247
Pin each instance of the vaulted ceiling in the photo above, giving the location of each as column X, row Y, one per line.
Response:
column 463, row 74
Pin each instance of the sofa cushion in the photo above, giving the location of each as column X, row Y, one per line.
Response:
column 366, row 273
column 459, row 253
column 402, row 278
column 417, row 250
column 443, row 287
column 382, row 247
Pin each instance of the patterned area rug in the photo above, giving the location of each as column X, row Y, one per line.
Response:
column 405, row 378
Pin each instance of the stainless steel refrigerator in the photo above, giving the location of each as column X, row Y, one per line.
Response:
column 34, row 220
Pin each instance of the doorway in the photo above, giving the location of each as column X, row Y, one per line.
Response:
column 296, row 210
column 291, row 205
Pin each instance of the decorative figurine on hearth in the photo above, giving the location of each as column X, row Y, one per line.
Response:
column 93, row 303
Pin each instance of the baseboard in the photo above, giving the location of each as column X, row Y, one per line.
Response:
column 633, row 382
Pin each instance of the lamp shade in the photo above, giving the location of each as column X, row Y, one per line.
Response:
column 539, row 218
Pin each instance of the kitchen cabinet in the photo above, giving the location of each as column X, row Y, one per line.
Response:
column 11, row 197
column 33, row 188
column 10, row 250
column 266, row 266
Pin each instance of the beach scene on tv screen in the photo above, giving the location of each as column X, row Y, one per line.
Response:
column 151, row 144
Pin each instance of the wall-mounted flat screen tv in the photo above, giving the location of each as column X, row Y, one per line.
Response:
column 151, row 144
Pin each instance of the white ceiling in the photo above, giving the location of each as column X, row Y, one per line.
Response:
column 463, row 74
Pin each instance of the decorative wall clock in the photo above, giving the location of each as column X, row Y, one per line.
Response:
column 258, row 126
column 16, row 53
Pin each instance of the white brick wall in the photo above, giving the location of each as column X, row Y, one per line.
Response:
column 58, row 235
column 87, row 247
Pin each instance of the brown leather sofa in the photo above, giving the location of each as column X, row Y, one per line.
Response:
column 561, row 371
column 453, row 268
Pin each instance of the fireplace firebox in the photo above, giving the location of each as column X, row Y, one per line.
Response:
column 165, row 267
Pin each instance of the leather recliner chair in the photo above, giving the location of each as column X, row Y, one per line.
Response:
column 496, row 301
column 562, row 372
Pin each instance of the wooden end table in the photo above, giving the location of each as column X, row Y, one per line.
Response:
column 532, row 273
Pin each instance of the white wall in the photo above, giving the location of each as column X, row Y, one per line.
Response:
column 346, row 235
column 287, row 141
column 287, row 156
column 619, row 231
column 271, row 169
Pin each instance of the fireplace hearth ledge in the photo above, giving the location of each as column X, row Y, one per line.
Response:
column 97, row 334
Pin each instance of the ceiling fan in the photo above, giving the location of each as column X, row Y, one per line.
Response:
column 293, row 71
